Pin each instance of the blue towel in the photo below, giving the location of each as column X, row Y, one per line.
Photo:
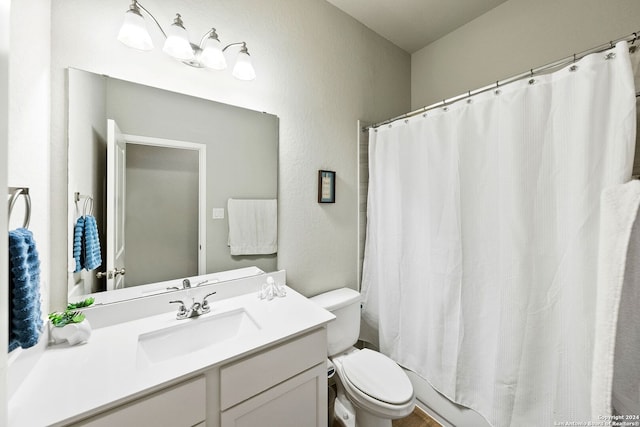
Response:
column 91, row 248
column 78, row 232
column 25, row 314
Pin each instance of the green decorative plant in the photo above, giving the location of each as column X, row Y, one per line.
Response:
column 65, row 318
column 70, row 315
column 80, row 304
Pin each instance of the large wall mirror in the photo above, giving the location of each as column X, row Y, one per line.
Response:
column 159, row 194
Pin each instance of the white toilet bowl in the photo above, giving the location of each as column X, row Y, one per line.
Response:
column 375, row 385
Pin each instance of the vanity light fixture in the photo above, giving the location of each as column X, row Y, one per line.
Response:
column 209, row 53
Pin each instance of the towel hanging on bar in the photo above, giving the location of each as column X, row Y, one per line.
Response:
column 25, row 317
column 86, row 240
column 253, row 226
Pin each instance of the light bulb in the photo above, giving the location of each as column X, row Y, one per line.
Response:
column 243, row 70
column 212, row 56
column 133, row 32
column 177, row 44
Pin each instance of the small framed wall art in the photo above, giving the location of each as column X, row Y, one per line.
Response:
column 326, row 186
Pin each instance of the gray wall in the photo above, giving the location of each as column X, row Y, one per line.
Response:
column 514, row 37
column 87, row 155
column 242, row 152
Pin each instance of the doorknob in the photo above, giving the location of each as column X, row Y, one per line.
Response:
column 110, row 274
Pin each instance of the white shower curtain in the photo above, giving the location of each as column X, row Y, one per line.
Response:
column 482, row 239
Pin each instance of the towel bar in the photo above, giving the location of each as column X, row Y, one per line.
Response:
column 77, row 196
column 15, row 192
column 88, row 203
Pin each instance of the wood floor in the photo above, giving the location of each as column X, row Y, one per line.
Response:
column 416, row 419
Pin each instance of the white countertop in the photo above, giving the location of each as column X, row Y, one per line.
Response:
column 69, row 383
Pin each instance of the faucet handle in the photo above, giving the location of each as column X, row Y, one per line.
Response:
column 205, row 303
column 182, row 310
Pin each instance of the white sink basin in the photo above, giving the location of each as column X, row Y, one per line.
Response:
column 191, row 335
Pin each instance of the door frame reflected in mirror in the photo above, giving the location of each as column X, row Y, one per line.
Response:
column 114, row 233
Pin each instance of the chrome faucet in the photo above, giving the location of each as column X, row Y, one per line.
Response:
column 186, row 284
column 197, row 308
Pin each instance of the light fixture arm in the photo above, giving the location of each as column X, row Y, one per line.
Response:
column 212, row 33
column 244, row 46
column 136, row 4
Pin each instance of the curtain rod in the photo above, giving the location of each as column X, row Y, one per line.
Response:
column 532, row 72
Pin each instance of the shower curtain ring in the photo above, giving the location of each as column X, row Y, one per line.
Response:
column 573, row 67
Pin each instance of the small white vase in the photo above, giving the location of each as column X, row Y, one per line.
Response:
column 73, row 333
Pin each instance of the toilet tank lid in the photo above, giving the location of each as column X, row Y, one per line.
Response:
column 336, row 299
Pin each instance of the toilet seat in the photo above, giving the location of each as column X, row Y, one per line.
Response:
column 364, row 397
column 378, row 377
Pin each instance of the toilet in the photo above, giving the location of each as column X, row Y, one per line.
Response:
column 372, row 389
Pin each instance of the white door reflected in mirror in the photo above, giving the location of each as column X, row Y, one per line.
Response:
column 116, row 195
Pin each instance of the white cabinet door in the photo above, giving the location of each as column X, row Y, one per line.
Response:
column 298, row 402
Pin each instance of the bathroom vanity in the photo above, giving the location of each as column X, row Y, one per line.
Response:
column 248, row 362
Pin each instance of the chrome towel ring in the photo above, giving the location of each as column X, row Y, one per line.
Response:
column 15, row 192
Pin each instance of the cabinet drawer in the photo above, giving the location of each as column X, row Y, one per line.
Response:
column 247, row 377
column 180, row 406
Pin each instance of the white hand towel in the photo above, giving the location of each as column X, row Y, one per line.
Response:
column 253, row 226
column 616, row 270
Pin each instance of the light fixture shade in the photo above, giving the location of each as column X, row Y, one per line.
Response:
column 243, row 70
column 133, row 32
column 177, row 43
column 212, row 56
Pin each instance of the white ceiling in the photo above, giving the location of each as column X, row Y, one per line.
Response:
column 413, row 24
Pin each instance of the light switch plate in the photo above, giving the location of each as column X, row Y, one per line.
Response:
column 218, row 213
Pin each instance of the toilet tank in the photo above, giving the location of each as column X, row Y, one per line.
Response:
column 343, row 332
